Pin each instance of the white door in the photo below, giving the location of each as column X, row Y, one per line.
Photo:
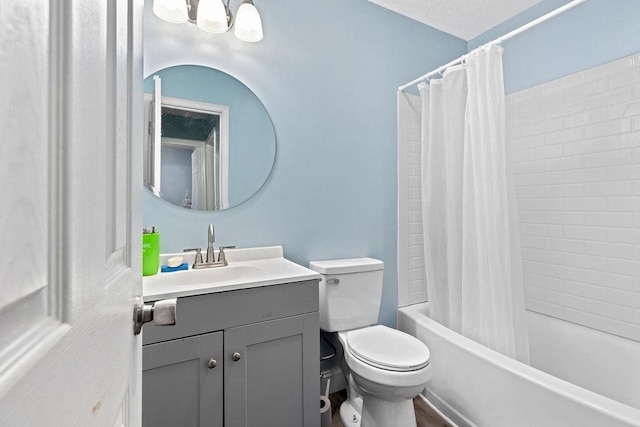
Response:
column 70, row 114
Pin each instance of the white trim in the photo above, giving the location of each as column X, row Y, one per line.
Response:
column 195, row 106
column 157, row 134
column 444, row 410
column 403, row 205
column 224, row 160
column 182, row 143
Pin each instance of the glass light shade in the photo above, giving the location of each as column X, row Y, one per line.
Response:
column 212, row 16
column 174, row 11
column 248, row 25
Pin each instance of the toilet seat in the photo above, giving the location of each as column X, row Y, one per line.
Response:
column 388, row 349
column 382, row 376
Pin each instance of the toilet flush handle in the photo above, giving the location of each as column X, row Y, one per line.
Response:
column 333, row 281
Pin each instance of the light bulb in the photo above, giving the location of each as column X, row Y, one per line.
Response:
column 248, row 25
column 212, row 16
column 174, row 11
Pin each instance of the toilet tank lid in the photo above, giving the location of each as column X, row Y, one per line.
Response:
column 350, row 265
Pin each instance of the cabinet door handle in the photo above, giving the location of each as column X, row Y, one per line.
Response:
column 212, row 363
column 236, row 356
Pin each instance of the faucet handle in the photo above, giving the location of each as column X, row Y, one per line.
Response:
column 198, row 258
column 221, row 256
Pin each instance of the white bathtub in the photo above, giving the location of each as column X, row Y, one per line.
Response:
column 476, row 386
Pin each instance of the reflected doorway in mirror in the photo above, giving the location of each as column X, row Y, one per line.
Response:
column 189, row 167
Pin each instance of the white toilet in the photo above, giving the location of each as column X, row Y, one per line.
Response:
column 385, row 368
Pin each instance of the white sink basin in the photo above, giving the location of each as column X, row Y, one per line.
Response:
column 247, row 268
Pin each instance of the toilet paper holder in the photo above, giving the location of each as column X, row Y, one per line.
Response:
column 325, row 407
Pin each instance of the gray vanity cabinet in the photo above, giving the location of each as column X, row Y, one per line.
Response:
column 270, row 384
column 179, row 388
column 265, row 345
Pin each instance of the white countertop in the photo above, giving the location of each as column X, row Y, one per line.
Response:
column 248, row 268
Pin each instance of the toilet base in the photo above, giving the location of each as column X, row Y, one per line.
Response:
column 350, row 412
column 383, row 413
column 378, row 413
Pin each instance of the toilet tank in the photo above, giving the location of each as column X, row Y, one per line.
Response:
column 350, row 292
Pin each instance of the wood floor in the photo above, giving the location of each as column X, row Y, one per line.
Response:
column 425, row 416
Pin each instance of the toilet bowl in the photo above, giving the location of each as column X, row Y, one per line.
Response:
column 385, row 368
column 389, row 368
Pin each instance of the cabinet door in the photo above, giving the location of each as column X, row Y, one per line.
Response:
column 178, row 386
column 275, row 383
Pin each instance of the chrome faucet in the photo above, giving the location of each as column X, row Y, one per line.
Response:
column 211, row 237
column 210, row 260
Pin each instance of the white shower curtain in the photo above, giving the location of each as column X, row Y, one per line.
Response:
column 472, row 248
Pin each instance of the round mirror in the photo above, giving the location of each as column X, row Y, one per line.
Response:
column 210, row 143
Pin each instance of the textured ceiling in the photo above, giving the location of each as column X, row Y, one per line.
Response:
column 462, row 18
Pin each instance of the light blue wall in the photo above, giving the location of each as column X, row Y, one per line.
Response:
column 327, row 72
column 591, row 34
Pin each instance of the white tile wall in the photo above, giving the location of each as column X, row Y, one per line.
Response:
column 576, row 154
column 412, row 285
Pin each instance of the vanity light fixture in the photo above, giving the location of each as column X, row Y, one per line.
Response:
column 248, row 23
column 213, row 16
column 174, row 11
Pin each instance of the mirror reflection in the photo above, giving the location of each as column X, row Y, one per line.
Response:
column 210, row 143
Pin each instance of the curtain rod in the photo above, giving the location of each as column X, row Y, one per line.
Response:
column 499, row 40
